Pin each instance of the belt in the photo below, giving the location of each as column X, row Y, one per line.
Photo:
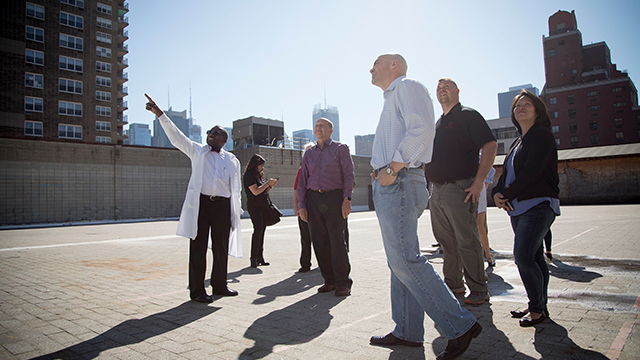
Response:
column 377, row 171
column 451, row 181
column 213, row 198
column 324, row 191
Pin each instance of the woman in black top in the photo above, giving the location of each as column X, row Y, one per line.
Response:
column 257, row 190
column 528, row 191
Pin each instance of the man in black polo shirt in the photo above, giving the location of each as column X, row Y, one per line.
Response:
column 457, row 182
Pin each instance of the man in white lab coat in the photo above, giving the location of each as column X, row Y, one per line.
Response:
column 212, row 203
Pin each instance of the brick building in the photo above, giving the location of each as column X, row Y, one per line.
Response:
column 62, row 70
column 591, row 102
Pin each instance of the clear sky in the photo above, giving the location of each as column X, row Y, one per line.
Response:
column 274, row 59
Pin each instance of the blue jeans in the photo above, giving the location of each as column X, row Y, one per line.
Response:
column 416, row 287
column 530, row 229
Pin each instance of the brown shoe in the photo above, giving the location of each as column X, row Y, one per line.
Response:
column 458, row 346
column 326, row 288
column 342, row 291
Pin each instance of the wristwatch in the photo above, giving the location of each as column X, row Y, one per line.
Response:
column 389, row 171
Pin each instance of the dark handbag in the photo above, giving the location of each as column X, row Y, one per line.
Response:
column 272, row 214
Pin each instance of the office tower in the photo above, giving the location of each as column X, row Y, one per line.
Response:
column 138, row 134
column 63, row 70
column 590, row 101
column 328, row 112
column 364, row 144
column 505, row 98
column 301, row 138
column 185, row 124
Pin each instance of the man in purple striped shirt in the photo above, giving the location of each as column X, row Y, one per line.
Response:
column 324, row 197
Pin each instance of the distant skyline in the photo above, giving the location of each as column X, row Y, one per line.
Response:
column 273, row 59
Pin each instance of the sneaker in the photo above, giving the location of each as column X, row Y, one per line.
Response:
column 477, row 298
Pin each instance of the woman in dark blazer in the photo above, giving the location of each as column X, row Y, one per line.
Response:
column 257, row 190
column 528, row 191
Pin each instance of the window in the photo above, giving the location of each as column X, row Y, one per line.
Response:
column 618, row 122
column 103, row 81
column 103, row 111
column 33, row 128
column 70, row 42
column 69, row 131
column 574, row 141
column 594, row 139
column 553, row 101
column 572, row 113
column 560, row 27
column 103, row 66
column 103, row 96
column 103, row 126
column 593, row 93
column 104, row 8
column 34, row 33
column 594, row 108
column 33, row 104
column 619, row 136
column 573, row 72
column 103, row 37
column 573, row 127
column 78, row 3
column 71, row 86
column 571, row 99
column 555, row 128
column 105, row 23
column 103, row 139
column 72, row 64
column 593, row 125
column 620, row 104
column 71, row 20
column 35, row 11
column 557, row 142
column 552, row 52
column 500, row 148
column 34, row 57
column 618, row 89
column 553, row 114
column 69, row 108
column 33, row 80
column 103, row 52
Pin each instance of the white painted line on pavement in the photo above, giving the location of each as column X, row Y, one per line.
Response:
column 162, row 237
column 571, row 238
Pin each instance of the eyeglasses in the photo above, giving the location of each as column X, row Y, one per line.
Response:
column 215, row 132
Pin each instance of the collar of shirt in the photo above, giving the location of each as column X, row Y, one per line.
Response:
column 326, row 143
column 456, row 108
column 392, row 86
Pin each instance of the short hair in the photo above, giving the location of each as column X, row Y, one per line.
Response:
column 542, row 115
column 327, row 120
column 224, row 131
column 448, row 80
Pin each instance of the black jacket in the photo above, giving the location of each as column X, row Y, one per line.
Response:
column 535, row 165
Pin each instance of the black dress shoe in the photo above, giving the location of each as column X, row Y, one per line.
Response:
column 517, row 314
column 225, row 292
column 304, row 269
column 391, row 340
column 342, row 291
column 458, row 346
column 204, row 298
column 263, row 263
column 326, row 288
column 527, row 322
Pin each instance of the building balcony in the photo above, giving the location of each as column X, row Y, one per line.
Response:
column 123, row 49
column 122, row 91
column 123, row 63
column 123, row 34
column 122, row 106
column 123, row 6
column 122, row 120
column 123, row 77
column 123, row 22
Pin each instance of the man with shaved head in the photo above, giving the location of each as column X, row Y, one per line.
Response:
column 402, row 146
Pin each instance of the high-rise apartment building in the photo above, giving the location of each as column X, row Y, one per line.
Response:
column 62, row 74
column 505, row 98
column 590, row 101
column 328, row 112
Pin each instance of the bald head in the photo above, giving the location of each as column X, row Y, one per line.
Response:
column 387, row 68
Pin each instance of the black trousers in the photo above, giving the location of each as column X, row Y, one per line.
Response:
column 257, row 239
column 305, row 242
column 326, row 226
column 214, row 216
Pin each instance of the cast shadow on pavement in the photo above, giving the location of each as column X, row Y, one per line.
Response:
column 552, row 341
column 561, row 270
column 496, row 284
column 292, row 285
column 492, row 342
column 295, row 324
column 134, row 331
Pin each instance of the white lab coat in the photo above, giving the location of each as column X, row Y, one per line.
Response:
column 188, row 224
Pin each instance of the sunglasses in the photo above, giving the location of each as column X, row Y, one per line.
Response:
column 215, row 132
